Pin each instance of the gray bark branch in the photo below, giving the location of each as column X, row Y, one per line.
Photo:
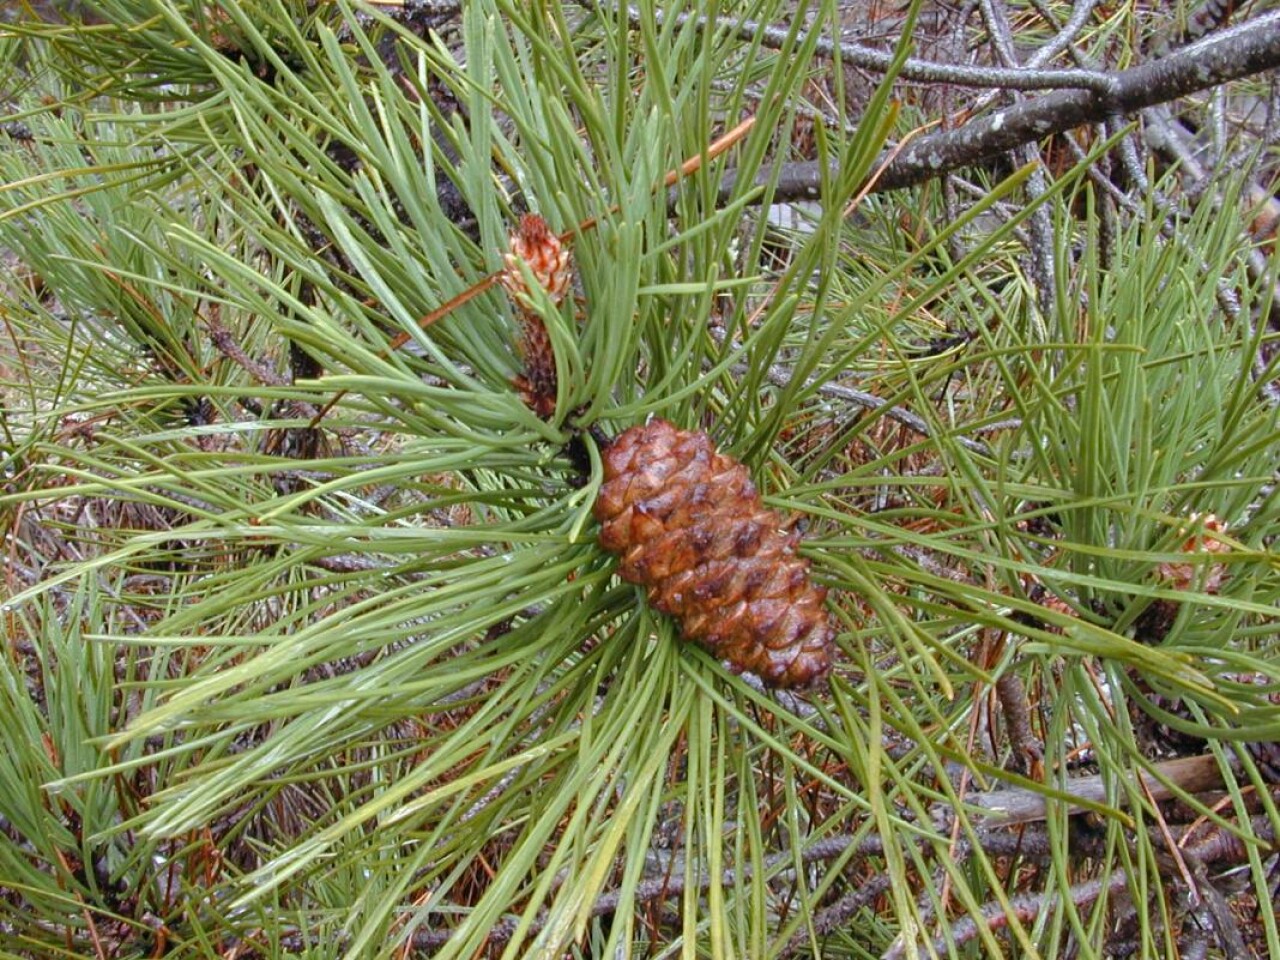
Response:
column 1247, row 49
column 878, row 61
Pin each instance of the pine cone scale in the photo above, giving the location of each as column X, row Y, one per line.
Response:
column 690, row 527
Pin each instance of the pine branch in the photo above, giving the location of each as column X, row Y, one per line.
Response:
column 879, row 61
column 1017, row 805
column 1220, row 849
column 1242, row 51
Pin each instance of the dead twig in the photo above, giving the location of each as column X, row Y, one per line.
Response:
column 1018, row 805
column 1025, row 908
column 879, row 61
column 781, row 376
column 1244, row 50
column 1012, row 693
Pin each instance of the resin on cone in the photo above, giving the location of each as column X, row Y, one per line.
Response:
column 690, row 527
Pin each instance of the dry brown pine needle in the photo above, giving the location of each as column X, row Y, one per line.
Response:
column 691, row 528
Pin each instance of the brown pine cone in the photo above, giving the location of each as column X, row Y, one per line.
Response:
column 691, row 528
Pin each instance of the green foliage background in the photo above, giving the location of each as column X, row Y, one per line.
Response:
column 345, row 691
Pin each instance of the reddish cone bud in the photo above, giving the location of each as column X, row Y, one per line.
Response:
column 534, row 244
column 546, row 256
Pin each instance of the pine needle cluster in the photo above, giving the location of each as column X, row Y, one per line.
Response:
column 310, row 644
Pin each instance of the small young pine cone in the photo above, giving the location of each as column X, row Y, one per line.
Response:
column 690, row 527
column 1198, row 542
column 536, row 245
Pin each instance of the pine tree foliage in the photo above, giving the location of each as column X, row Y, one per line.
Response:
column 289, row 676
